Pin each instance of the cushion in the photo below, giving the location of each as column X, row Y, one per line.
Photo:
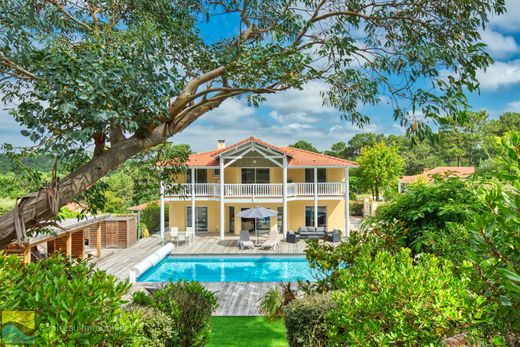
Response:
column 320, row 229
column 304, row 229
column 311, row 229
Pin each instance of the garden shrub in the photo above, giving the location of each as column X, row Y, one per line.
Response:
column 67, row 213
column 305, row 320
column 421, row 216
column 494, row 228
column 275, row 299
column 142, row 299
column 190, row 306
column 157, row 327
column 356, row 208
column 151, row 216
column 393, row 300
column 327, row 261
column 74, row 304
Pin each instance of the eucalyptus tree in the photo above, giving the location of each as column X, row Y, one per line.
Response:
column 103, row 80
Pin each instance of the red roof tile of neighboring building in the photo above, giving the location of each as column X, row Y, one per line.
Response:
column 142, row 206
column 296, row 157
column 452, row 171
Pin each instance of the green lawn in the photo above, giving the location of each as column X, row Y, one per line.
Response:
column 246, row 331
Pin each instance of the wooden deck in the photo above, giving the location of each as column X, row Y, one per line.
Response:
column 211, row 244
column 235, row 298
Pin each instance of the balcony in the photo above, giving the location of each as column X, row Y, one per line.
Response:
column 274, row 190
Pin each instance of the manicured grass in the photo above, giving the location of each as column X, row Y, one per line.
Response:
column 246, row 331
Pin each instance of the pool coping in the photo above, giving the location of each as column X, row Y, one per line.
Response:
column 232, row 255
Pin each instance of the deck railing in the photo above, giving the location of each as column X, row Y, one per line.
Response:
column 260, row 189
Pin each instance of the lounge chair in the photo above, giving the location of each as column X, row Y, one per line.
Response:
column 173, row 235
column 272, row 240
column 189, row 235
column 244, row 241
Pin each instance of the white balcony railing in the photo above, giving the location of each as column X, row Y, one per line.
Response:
column 260, row 190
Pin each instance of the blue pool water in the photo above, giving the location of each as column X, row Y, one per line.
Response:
column 229, row 269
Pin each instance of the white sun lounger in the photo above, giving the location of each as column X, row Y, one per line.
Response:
column 272, row 240
column 244, row 241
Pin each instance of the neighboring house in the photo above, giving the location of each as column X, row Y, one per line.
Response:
column 306, row 188
column 444, row 171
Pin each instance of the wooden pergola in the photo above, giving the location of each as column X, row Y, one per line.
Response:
column 71, row 236
column 68, row 238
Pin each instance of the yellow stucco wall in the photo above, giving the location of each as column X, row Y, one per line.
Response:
column 295, row 213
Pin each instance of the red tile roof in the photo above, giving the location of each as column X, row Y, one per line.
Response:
column 142, row 206
column 451, row 171
column 296, row 157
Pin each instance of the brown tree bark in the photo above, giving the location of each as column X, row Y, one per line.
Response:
column 37, row 208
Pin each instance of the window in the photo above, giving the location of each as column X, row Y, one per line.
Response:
column 201, row 218
column 255, row 175
column 201, row 176
column 309, row 175
column 216, row 172
column 248, row 176
column 322, row 216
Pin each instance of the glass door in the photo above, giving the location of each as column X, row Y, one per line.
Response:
column 201, row 218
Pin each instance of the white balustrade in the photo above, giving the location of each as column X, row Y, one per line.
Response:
column 257, row 190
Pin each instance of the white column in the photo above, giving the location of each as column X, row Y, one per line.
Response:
column 347, row 203
column 193, row 208
column 284, row 214
column 221, row 198
column 161, row 199
column 315, row 197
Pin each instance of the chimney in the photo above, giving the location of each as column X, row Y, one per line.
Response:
column 221, row 144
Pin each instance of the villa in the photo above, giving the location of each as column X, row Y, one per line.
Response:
column 305, row 188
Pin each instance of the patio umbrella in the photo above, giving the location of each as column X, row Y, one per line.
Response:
column 257, row 213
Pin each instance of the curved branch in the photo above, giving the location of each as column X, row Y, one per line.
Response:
column 10, row 64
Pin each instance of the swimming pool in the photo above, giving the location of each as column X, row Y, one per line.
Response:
column 229, row 269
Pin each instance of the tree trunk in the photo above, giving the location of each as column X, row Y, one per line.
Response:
column 75, row 183
column 377, row 193
column 37, row 208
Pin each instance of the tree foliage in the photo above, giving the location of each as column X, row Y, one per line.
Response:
column 390, row 300
column 380, row 167
column 305, row 145
column 124, row 76
column 422, row 215
column 74, row 304
column 494, row 229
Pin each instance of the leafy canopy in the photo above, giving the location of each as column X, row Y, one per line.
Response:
column 380, row 167
column 97, row 82
column 86, row 72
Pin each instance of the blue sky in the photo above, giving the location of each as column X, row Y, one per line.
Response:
column 285, row 118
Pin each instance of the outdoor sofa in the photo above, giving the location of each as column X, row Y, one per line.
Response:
column 314, row 233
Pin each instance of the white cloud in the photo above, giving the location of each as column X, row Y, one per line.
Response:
column 499, row 45
column 300, row 117
column 500, row 74
column 511, row 20
column 308, row 100
column 513, row 106
column 230, row 111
